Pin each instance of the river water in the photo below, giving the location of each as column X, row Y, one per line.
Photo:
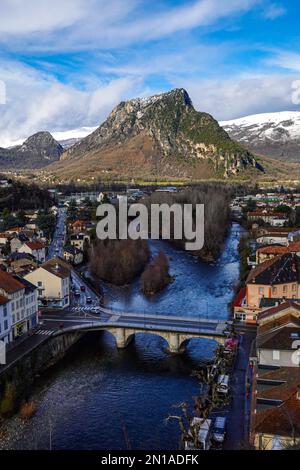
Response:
column 102, row 398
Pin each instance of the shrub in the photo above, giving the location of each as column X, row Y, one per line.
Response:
column 27, row 411
column 8, row 402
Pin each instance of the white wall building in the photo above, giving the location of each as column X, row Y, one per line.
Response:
column 34, row 248
column 5, row 320
column 53, row 282
column 23, row 299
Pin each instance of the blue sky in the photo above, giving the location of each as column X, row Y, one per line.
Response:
column 67, row 63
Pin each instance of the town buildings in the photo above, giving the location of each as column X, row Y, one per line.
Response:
column 73, row 255
column 275, row 415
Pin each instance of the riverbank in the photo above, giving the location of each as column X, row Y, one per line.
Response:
column 18, row 376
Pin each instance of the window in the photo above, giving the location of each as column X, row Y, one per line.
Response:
column 261, row 291
column 284, row 289
column 294, row 287
column 5, row 324
column 274, row 290
column 5, row 311
column 276, row 355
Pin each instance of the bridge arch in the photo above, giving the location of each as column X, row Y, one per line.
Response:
column 125, row 336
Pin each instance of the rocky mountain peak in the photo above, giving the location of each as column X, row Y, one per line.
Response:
column 164, row 134
column 37, row 151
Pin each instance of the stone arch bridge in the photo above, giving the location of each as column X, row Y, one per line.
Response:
column 176, row 331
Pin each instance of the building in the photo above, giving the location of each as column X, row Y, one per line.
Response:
column 73, row 255
column 34, row 248
column 271, row 238
column 53, row 282
column 5, row 320
column 268, row 252
column 78, row 226
column 20, row 263
column 279, row 346
column 270, row 282
column 17, row 242
column 80, row 240
column 276, row 219
column 24, row 306
column 276, row 277
column 275, row 407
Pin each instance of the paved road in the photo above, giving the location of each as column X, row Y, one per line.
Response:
column 77, row 284
column 56, row 247
column 90, row 320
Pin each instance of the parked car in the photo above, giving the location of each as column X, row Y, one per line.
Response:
column 82, row 288
column 88, row 300
column 223, row 384
column 219, row 429
column 77, row 293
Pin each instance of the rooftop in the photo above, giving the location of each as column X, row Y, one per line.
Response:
column 9, row 284
column 278, row 270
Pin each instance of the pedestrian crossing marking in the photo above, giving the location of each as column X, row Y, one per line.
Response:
column 44, row 332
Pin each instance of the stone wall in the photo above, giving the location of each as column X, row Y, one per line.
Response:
column 21, row 375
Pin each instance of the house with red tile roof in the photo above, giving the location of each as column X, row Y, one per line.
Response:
column 268, row 252
column 35, row 248
column 52, row 280
column 275, row 420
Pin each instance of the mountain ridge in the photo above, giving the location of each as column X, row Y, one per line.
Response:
column 159, row 135
column 276, row 135
column 38, row 151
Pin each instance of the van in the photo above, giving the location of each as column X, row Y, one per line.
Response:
column 219, row 429
column 223, row 384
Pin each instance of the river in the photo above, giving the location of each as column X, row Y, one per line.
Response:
column 102, row 398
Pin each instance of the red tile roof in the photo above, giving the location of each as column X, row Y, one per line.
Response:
column 240, row 297
column 282, row 420
column 8, row 283
column 279, row 249
column 35, row 245
column 3, row 300
column 279, row 308
column 273, row 250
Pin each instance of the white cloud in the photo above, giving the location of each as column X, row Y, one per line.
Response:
column 36, row 101
column 273, row 11
column 22, row 17
column 49, row 25
column 286, row 60
column 241, row 95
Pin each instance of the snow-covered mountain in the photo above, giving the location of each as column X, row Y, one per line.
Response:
column 273, row 134
column 71, row 137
